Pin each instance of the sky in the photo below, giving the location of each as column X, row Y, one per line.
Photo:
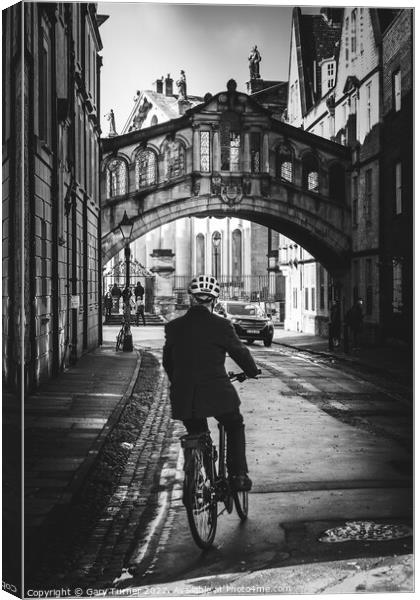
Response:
column 210, row 42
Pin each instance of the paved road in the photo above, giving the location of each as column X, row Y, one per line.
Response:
column 324, row 446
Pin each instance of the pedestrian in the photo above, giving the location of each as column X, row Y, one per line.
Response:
column 108, row 302
column 139, row 291
column 335, row 323
column 116, row 295
column 193, row 357
column 140, row 310
column 354, row 319
column 126, row 294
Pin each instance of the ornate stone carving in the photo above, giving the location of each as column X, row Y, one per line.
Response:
column 231, row 193
column 246, row 185
column 216, row 185
column 195, row 185
column 265, row 186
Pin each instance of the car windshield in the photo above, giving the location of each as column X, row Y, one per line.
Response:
column 249, row 310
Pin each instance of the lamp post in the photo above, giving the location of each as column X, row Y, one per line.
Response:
column 126, row 229
column 216, row 244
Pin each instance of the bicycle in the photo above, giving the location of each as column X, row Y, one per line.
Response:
column 205, row 485
column 124, row 331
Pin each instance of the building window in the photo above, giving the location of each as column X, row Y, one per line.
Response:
column 237, row 254
column 321, row 288
column 330, row 75
column 397, row 297
column 44, row 91
column 154, row 121
column 369, row 287
column 199, row 254
column 397, row 90
column 398, row 189
column 145, row 168
column 294, row 297
column 116, row 178
column 355, row 201
column 368, row 106
column 255, row 152
column 205, row 151
column 284, row 163
column 216, row 253
column 230, row 145
column 312, row 298
column 368, row 196
column 310, row 173
column 353, row 31
column 356, row 279
column 306, row 298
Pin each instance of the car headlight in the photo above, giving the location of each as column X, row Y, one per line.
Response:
column 234, row 320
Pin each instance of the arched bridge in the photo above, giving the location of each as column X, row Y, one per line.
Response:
column 229, row 157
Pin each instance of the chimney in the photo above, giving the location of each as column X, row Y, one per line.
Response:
column 169, row 85
column 159, row 85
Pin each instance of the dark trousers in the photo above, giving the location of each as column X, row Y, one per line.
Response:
column 235, row 429
column 140, row 312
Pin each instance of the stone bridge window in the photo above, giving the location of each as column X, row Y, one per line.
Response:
column 255, row 152
column 337, row 182
column 310, row 173
column 285, row 163
column 199, row 254
column 205, row 151
column 116, row 178
column 230, row 144
column 146, row 171
column 174, row 159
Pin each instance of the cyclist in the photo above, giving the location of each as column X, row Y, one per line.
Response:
column 193, row 357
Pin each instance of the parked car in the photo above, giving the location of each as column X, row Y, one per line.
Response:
column 249, row 319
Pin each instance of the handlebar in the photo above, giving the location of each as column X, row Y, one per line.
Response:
column 241, row 376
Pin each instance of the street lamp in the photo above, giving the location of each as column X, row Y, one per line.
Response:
column 217, row 238
column 126, row 229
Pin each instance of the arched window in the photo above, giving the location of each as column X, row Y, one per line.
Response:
column 154, row 121
column 199, row 254
column 216, row 253
column 285, row 163
column 230, row 142
column 337, row 182
column 116, row 178
column 237, row 254
column 174, row 158
column 146, row 172
column 310, row 173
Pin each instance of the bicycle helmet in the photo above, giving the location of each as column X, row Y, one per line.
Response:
column 204, row 287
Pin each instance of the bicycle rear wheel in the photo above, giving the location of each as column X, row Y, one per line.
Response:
column 241, row 504
column 200, row 501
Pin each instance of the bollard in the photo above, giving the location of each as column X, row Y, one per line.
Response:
column 128, row 343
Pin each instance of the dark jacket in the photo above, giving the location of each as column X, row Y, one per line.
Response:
column 194, row 358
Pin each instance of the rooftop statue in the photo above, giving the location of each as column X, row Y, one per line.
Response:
column 182, row 86
column 254, row 63
column 111, row 118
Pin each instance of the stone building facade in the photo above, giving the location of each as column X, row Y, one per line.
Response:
column 335, row 91
column 51, row 209
column 396, row 206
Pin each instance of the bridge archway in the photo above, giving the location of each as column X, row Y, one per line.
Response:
column 328, row 244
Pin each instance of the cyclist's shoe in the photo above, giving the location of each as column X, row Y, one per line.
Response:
column 240, row 483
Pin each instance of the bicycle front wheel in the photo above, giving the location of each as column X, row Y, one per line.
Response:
column 241, row 504
column 200, row 502
column 119, row 340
